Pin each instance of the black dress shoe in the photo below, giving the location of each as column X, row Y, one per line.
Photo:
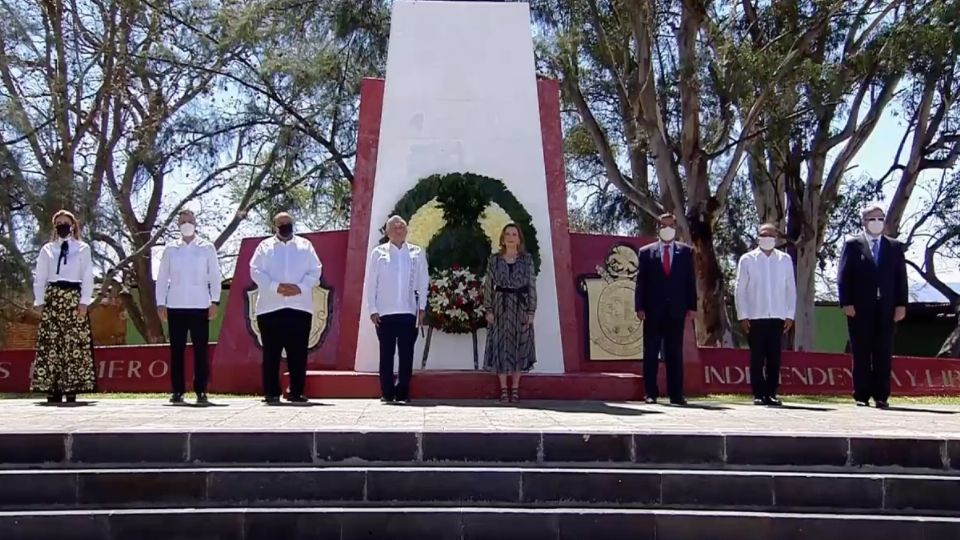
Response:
column 679, row 402
column 176, row 398
column 883, row 405
column 863, row 403
column 271, row 400
column 386, row 400
column 403, row 401
column 650, row 401
column 202, row 399
column 55, row 397
column 774, row 401
column 299, row 398
column 759, row 401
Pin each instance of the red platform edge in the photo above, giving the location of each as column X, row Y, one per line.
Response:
column 145, row 368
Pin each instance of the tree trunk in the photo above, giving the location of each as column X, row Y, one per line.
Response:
column 805, row 327
column 713, row 328
column 152, row 330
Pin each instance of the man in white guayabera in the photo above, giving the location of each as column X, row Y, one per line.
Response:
column 285, row 268
column 397, row 285
column 766, row 299
column 188, row 292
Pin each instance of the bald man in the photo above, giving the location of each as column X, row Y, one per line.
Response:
column 285, row 268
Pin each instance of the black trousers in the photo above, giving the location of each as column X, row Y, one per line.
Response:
column 284, row 330
column 663, row 334
column 397, row 334
column 766, row 341
column 871, row 340
column 197, row 323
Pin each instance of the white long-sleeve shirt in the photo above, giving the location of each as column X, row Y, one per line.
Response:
column 397, row 279
column 766, row 288
column 77, row 268
column 189, row 276
column 276, row 262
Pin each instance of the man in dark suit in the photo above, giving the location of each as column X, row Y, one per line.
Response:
column 872, row 286
column 666, row 302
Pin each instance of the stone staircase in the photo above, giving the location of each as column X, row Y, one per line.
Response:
column 474, row 485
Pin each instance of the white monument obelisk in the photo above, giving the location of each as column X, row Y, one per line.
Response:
column 461, row 96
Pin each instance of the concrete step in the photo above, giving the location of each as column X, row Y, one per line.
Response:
column 499, row 486
column 308, row 447
column 463, row 523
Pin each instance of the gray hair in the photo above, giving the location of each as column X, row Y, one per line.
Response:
column 396, row 219
column 871, row 208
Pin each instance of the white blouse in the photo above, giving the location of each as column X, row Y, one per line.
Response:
column 76, row 268
column 276, row 262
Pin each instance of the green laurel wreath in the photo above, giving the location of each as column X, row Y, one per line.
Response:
column 463, row 197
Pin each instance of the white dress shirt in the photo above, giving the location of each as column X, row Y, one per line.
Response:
column 397, row 280
column 78, row 268
column 766, row 288
column 189, row 276
column 276, row 262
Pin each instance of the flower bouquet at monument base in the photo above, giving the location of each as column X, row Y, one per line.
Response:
column 455, row 302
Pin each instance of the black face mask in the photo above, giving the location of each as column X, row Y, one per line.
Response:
column 285, row 230
column 63, row 230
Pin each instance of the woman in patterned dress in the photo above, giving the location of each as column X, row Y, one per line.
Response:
column 63, row 289
column 510, row 301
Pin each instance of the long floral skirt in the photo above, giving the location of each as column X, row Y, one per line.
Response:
column 64, row 362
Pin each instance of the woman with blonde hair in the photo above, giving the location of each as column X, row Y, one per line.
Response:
column 510, row 301
column 63, row 290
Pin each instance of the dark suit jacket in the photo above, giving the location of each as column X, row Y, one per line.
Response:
column 867, row 284
column 659, row 295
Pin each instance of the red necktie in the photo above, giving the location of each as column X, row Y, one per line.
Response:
column 666, row 259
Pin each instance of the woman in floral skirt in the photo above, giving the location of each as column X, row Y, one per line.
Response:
column 510, row 301
column 63, row 289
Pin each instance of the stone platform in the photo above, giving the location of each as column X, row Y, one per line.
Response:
column 704, row 417
column 351, row 469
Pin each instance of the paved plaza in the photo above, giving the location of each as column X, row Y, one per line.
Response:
column 922, row 421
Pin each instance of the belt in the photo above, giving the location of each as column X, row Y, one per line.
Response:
column 522, row 293
column 68, row 285
column 511, row 290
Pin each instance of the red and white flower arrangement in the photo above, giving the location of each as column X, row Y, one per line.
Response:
column 455, row 303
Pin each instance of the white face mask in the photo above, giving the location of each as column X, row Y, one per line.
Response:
column 667, row 234
column 187, row 229
column 767, row 243
column 875, row 227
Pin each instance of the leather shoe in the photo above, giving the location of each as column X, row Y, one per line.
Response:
column 759, row 401
column 300, row 398
column 863, row 403
column 202, row 399
column 176, row 399
column 679, row 402
column 271, row 400
column 883, row 405
column 774, row 401
column 650, row 401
